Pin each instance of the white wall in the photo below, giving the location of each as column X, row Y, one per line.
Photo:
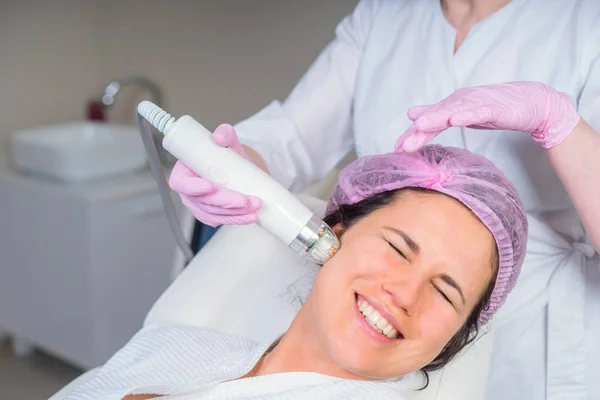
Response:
column 219, row 60
column 47, row 65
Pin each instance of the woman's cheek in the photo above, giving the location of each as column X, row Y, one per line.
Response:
column 360, row 256
column 373, row 259
column 438, row 325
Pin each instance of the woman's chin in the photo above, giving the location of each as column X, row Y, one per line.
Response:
column 361, row 361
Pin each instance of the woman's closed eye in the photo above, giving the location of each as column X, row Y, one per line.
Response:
column 445, row 278
column 397, row 250
column 441, row 293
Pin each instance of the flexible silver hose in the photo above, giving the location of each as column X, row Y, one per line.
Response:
column 146, row 118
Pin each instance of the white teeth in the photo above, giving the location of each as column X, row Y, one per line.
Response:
column 382, row 324
column 376, row 321
column 387, row 330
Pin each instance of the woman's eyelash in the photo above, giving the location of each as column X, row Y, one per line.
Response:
column 397, row 250
column 443, row 294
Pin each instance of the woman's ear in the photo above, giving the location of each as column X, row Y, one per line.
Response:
column 338, row 229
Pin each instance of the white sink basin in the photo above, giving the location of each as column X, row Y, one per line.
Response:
column 78, row 152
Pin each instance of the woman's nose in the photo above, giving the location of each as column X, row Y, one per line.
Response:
column 406, row 294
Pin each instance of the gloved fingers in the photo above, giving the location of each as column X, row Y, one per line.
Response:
column 216, row 220
column 225, row 198
column 196, row 205
column 202, row 202
column 226, row 136
column 482, row 116
column 415, row 112
column 238, row 220
column 184, row 180
column 180, row 169
column 398, row 146
column 416, row 140
column 434, row 120
column 419, row 140
column 215, row 210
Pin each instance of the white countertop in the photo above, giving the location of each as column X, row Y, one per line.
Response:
column 137, row 183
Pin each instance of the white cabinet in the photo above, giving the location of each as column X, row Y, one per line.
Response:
column 80, row 266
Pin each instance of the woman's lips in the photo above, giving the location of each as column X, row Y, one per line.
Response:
column 390, row 323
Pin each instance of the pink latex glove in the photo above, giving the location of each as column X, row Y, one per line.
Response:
column 212, row 204
column 546, row 114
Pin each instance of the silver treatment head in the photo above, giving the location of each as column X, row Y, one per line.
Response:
column 316, row 240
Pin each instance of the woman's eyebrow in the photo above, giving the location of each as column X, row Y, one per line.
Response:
column 414, row 247
column 451, row 282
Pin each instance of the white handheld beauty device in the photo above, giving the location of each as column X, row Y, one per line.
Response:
column 281, row 214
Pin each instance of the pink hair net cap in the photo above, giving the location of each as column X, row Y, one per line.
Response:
column 469, row 178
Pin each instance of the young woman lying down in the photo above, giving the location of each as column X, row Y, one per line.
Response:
column 431, row 245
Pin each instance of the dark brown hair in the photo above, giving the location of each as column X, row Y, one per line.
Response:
column 348, row 214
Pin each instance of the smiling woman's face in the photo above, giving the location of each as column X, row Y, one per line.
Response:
column 404, row 281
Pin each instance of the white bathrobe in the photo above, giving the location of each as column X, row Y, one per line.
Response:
column 191, row 363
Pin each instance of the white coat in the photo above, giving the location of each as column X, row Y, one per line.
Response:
column 390, row 55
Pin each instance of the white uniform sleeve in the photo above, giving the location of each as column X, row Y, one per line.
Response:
column 588, row 104
column 302, row 139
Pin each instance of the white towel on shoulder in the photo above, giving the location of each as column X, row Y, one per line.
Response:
column 191, row 363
